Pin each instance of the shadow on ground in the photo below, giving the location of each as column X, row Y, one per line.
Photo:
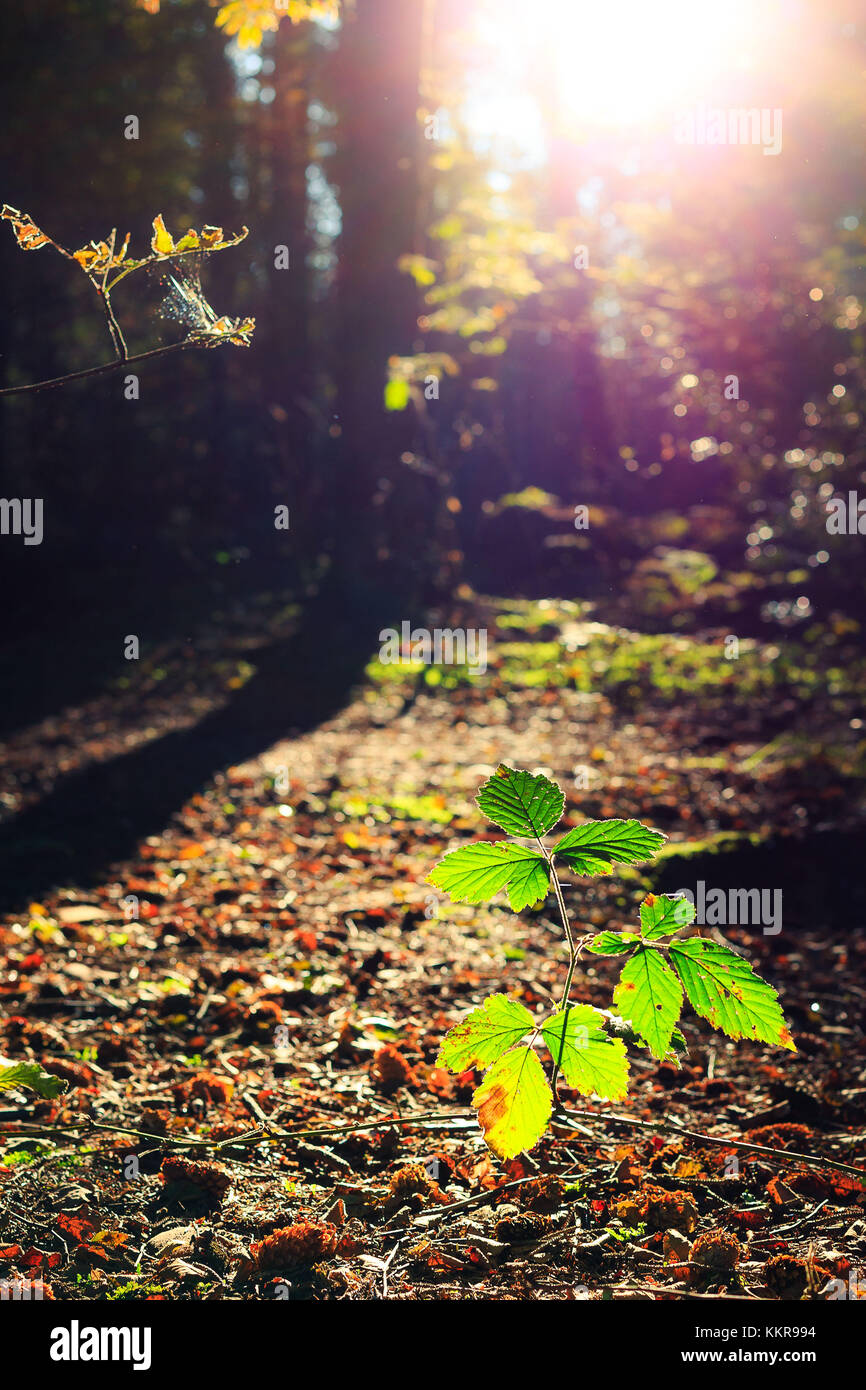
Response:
column 818, row 875
column 98, row 817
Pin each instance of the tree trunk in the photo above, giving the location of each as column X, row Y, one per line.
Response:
column 377, row 173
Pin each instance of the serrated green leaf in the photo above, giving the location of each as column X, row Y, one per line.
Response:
column 612, row 943
column 514, row 1103
column 723, row 988
column 662, row 914
column 476, row 873
column 485, row 1034
column 592, row 1062
column 520, row 802
column 30, row 1076
column 649, row 995
column 591, row 848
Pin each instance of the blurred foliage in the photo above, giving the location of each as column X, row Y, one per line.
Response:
column 563, row 650
column 439, row 380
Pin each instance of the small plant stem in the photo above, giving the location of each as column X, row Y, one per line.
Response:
column 114, row 328
column 104, row 293
column 572, row 962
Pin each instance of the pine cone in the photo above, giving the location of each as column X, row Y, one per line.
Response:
column 204, row 1086
column 390, row 1070
column 232, row 1130
column 305, row 1243
column 154, row 1121
column 660, row 1209
column 412, row 1181
column 715, row 1251
column 207, row 1177
column 523, row 1226
column 76, row 1073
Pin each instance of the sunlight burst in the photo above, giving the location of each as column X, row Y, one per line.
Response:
column 621, row 63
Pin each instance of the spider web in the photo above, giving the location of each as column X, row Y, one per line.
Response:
column 183, row 301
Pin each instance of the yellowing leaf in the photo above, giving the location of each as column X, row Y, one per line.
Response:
column 189, row 241
column 247, row 20
column 485, row 1034
column 236, row 331
column 98, row 256
column 250, row 19
column 514, row 1103
column 161, row 242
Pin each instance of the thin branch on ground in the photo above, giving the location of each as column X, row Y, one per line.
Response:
column 669, row 1127
column 435, row 1118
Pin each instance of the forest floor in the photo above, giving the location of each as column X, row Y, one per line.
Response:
column 274, row 970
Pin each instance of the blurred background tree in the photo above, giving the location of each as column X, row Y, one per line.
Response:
column 511, row 293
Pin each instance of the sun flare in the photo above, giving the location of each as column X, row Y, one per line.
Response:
column 614, row 65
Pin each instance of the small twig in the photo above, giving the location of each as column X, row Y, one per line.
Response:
column 83, row 1129
column 75, row 1131
column 478, row 1200
column 685, row 1293
column 794, row 1226
column 386, row 1269
column 203, row 1008
column 255, row 1109
column 96, row 371
column 104, row 293
column 667, row 1127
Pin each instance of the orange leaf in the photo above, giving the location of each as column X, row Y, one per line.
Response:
column 28, row 235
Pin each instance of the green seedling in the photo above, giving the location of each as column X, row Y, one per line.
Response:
column 660, row 966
